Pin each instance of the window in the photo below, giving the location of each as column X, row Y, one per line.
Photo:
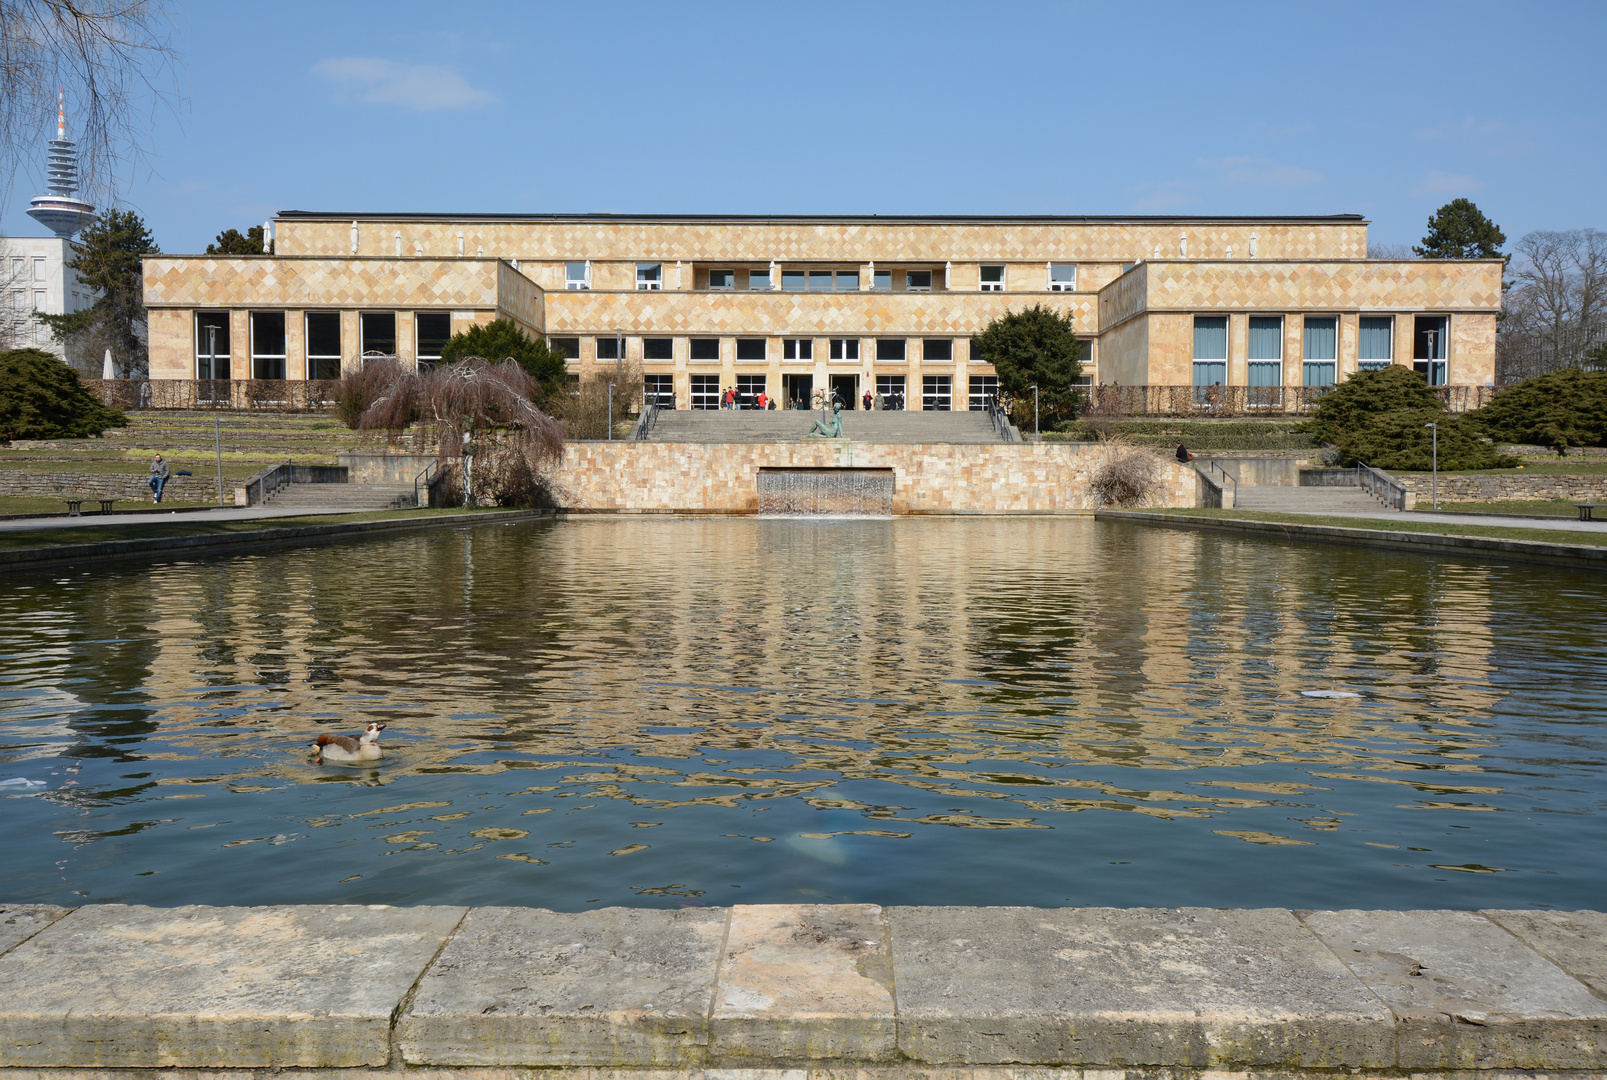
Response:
column 918, row 281
column 569, row 346
column 39, row 270
column 890, row 391
column 705, row 392
column 577, row 275
column 1266, row 350
column 848, row 281
column 937, row 349
column 820, row 280
column 39, row 300
column 793, row 280
column 323, row 344
column 1429, row 334
column 1062, row 277
column 610, row 348
column 659, row 390
column 845, row 348
column 748, row 388
column 984, row 391
column 937, row 393
column 993, row 279
column 434, row 330
column 882, row 281
column 706, row 348
column 758, row 280
column 1375, row 342
column 211, row 344
column 722, row 279
column 267, row 344
column 1321, row 350
column 750, row 349
column 797, row 349
column 378, row 332
column 889, row 349
column 649, row 276
column 1210, row 350
column 658, row 348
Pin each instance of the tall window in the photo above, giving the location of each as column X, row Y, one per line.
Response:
column 1266, row 350
column 1062, row 277
column 706, row 348
column 889, row 389
column 1210, row 350
column 750, row 349
column 918, row 281
column 212, row 349
column 797, row 349
column 993, row 279
column 984, row 389
column 323, row 344
column 937, row 393
column 378, row 330
column 705, row 392
column 1429, row 334
column 267, row 344
column 722, row 279
column 1375, row 342
column 649, row 277
column 845, row 348
column 1321, row 350
column 659, row 390
column 889, row 349
column 433, row 329
column 937, row 349
column 577, row 275
column 748, row 388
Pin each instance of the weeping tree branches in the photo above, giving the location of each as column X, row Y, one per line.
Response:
column 494, row 446
column 113, row 57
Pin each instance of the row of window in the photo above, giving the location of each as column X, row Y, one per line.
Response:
column 19, row 269
column 1062, row 277
column 1375, row 348
column 885, row 350
column 376, row 333
column 937, row 391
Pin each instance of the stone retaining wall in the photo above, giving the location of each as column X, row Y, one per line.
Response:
column 896, row 991
column 1474, row 488
column 129, row 486
column 927, row 479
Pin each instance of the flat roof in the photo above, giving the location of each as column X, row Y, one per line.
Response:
column 857, row 219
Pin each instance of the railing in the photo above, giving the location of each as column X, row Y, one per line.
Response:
column 229, row 395
column 266, row 483
column 1385, row 488
column 645, row 422
column 999, row 419
column 1242, row 401
column 427, row 476
column 1212, row 470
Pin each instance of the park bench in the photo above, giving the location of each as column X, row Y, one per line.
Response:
column 74, row 504
column 1587, row 510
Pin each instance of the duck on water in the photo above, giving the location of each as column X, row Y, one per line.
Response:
column 345, row 748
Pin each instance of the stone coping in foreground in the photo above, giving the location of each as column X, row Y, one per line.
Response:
column 1586, row 556
column 780, row 991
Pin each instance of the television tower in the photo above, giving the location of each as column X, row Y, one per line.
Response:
column 59, row 211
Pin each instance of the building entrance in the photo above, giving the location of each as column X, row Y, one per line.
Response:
column 845, row 388
column 797, row 390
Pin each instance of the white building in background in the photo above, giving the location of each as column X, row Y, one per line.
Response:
column 34, row 276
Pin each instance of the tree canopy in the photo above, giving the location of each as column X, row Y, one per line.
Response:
column 41, row 398
column 1380, row 418
column 230, row 242
column 1366, row 394
column 1035, row 345
column 1459, row 230
column 1562, row 409
column 110, row 260
column 504, row 340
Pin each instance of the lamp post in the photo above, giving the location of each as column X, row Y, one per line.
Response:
column 1035, row 412
column 217, row 431
column 610, row 412
column 1436, row 462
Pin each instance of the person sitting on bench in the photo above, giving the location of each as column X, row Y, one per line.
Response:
column 159, row 475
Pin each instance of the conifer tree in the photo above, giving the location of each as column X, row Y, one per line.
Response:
column 1459, row 230
column 110, row 260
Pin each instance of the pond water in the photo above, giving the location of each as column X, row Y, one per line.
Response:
column 692, row 711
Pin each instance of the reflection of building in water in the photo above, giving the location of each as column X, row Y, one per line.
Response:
column 939, row 654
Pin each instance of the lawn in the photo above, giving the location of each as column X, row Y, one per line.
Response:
column 1561, row 508
column 1403, row 524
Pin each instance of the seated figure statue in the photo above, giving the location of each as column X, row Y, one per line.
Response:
column 832, row 430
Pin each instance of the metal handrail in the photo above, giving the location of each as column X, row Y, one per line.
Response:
column 645, row 422
column 265, row 484
column 424, row 475
column 1212, row 466
column 1382, row 486
column 999, row 419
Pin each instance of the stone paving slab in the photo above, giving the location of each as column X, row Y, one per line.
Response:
column 526, row 986
column 139, row 987
column 1128, row 987
column 19, row 922
column 1575, row 941
column 805, row 982
column 1467, row 994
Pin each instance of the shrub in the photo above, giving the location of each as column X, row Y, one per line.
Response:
column 1129, row 476
column 1034, row 346
column 360, row 388
column 504, row 340
column 1365, row 395
column 1401, row 440
column 41, row 398
column 1565, row 408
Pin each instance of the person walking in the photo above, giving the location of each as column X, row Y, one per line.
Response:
column 868, row 401
column 159, row 475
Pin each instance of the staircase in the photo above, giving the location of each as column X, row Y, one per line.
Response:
column 1307, row 500
column 316, row 497
column 753, row 426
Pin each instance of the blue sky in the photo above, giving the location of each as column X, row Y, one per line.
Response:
column 1386, row 109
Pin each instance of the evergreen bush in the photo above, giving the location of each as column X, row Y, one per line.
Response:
column 41, row 398
column 1401, row 439
column 504, row 340
column 1562, row 409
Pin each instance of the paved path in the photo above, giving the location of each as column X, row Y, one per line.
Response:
column 898, row 992
column 169, row 517
column 1564, row 524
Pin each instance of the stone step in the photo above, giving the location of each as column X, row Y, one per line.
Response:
column 717, row 426
column 342, row 496
column 1306, row 499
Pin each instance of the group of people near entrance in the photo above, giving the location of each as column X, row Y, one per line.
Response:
column 731, row 398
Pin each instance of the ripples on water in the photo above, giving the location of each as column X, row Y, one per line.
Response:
column 984, row 711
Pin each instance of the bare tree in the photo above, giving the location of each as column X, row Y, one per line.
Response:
column 1377, row 249
column 1556, row 307
column 115, row 60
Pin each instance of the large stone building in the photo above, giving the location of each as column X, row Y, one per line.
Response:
column 793, row 303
